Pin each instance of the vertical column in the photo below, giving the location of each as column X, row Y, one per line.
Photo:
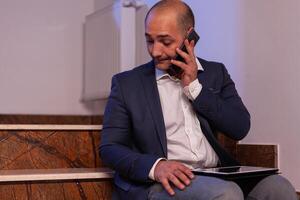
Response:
column 127, row 34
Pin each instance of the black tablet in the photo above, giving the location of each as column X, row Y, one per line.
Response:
column 236, row 172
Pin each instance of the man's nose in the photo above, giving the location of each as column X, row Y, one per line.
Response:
column 156, row 50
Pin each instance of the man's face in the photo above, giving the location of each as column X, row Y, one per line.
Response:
column 163, row 36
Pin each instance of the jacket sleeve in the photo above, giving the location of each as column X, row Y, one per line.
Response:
column 223, row 108
column 116, row 148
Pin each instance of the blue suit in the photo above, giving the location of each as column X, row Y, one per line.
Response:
column 134, row 134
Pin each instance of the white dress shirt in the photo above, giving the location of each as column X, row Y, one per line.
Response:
column 185, row 140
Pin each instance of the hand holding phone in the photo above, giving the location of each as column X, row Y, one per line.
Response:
column 175, row 70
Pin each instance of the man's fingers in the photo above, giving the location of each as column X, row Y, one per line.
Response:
column 190, row 174
column 176, row 182
column 167, row 186
column 183, row 54
column 172, row 173
column 182, row 177
column 183, row 66
column 190, row 47
column 179, row 64
column 187, row 171
column 189, row 57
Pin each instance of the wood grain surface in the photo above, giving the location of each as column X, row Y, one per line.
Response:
column 52, row 150
column 56, row 191
column 263, row 155
column 50, row 119
column 49, row 149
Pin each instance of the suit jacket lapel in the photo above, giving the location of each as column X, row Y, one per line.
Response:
column 151, row 92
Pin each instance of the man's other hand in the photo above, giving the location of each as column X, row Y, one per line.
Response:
column 172, row 172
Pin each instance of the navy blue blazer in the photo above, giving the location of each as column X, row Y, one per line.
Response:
column 134, row 135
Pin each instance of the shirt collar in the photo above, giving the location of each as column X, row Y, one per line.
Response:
column 161, row 73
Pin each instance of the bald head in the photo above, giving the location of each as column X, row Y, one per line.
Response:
column 184, row 14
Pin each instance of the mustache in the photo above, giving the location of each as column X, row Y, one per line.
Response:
column 162, row 59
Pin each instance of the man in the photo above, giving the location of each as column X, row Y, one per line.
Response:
column 158, row 127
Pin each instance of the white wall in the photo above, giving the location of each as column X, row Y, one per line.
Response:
column 41, row 56
column 270, row 60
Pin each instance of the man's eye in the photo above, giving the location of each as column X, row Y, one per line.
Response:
column 167, row 43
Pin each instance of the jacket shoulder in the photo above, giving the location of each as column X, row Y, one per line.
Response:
column 211, row 65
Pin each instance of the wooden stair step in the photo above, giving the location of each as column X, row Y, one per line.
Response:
column 55, row 174
column 40, row 127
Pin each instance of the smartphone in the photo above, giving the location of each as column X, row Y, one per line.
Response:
column 175, row 70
